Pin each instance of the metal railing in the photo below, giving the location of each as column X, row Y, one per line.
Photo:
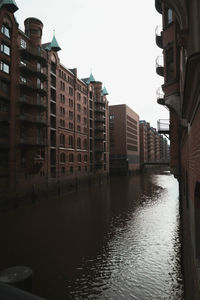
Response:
column 163, row 125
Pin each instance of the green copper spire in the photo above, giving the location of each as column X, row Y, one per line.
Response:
column 91, row 79
column 11, row 5
column 105, row 92
column 54, row 44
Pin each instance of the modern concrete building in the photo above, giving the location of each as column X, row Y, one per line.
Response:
column 179, row 40
column 53, row 125
column 124, row 139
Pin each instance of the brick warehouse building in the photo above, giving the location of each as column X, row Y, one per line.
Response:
column 153, row 146
column 124, row 139
column 53, row 125
column 179, row 40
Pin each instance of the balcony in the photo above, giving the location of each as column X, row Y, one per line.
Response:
column 99, row 101
column 163, row 126
column 25, row 100
column 99, row 137
column 33, row 119
column 99, row 128
column 159, row 39
column 28, row 68
column 99, row 109
column 158, row 6
column 29, row 85
column 99, row 148
column 33, row 141
column 160, row 96
column 160, row 66
column 99, row 119
column 28, row 51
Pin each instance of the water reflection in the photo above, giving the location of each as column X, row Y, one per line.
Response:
column 113, row 241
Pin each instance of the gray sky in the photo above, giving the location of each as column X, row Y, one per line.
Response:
column 114, row 39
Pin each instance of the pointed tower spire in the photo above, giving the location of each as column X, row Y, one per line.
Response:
column 54, row 44
column 105, row 92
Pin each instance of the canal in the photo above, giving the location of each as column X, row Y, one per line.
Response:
column 118, row 240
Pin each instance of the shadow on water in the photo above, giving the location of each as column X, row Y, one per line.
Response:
column 112, row 241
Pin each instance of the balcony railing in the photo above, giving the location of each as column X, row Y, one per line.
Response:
column 28, row 84
column 33, row 119
column 163, row 126
column 99, row 148
column 99, row 128
column 32, row 101
column 31, row 141
column 28, row 67
column 38, row 53
column 99, row 119
column 160, row 96
column 99, row 137
column 160, row 65
column 99, row 109
column 159, row 39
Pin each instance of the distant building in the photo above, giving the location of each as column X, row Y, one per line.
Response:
column 153, row 146
column 124, row 139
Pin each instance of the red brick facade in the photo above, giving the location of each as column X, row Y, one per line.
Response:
column 54, row 126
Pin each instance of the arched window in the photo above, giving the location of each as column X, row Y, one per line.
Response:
column 79, row 143
column 71, row 141
column 197, row 218
column 71, row 157
column 79, row 157
column 62, row 140
column 85, row 144
column 62, row 158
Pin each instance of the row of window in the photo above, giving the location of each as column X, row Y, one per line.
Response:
column 71, row 170
column 63, row 158
column 71, row 142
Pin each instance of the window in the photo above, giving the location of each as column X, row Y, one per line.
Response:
column 5, row 30
column 62, row 123
column 78, row 107
column 169, row 16
column 85, row 144
column 71, row 103
column 62, row 157
column 71, row 158
column 71, row 125
column 71, row 115
column 71, row 141
column 78, row 128
column 62, row 111
column 71, row 169
column 85, row 121
column 78, row 143
column 78, row 118
column 85, row 158
column 4, row 106
column 84, row 110
column 78, row 96
column 23, row 44
column 62, row 171
column 4, row 67
column 112, row 117
column 79, row 168
column 79, row 157
column 71, row 92
column 84, row 100
column 62, row 140
column 38, row 83
column 5, row 49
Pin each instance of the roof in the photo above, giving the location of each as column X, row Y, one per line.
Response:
column 104, row 91
column 53, row 45
column 11, row 5
column 89, row 79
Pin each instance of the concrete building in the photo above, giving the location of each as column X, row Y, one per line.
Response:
column 179, row 40
column 54, row 126
column 124, row 139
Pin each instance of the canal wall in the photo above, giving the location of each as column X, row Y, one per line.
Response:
column 12, row 199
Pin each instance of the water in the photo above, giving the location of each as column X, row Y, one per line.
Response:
column 113, row 241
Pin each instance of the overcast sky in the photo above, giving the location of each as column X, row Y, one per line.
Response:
column 114, row 39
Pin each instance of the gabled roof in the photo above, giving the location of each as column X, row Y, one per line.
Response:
column 11, row 5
